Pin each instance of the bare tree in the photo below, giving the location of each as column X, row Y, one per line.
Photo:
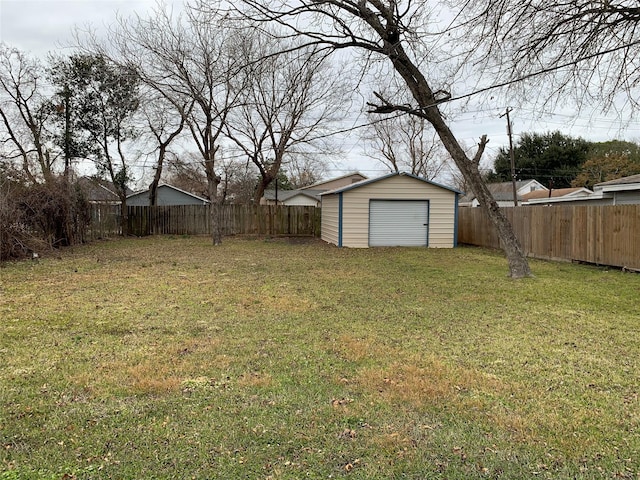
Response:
column 391, row 30
column 289, row 99
column 305, row 170
column 239, row 181
column 406, row 143
column 164, row 124
column 25, row 111
column 185, row 172
column 583, row 49
column 184, row 58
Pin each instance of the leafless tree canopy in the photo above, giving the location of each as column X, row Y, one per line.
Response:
column 24, row 112
column 583, row 49
column 393, row 32
column 406, row 143
column 289, row 100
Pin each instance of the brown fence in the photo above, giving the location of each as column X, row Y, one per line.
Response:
column 604, row 235
column 105, row 222
column 196, row 220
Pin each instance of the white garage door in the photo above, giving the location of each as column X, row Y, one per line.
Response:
column 403, row 223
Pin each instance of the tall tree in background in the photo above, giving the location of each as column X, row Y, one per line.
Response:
column 184, row 58
column 185, row 172
column 406, row 143
column 105, row 97
column 25, row 111
column 289, row 97
column 239, row 181
column 552, row 158
column 391, row 31
column 163, row 125
column 305, row 170
column 608, row 161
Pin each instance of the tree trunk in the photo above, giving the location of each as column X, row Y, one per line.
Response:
column 153, row 188
column 264, row 182
column 518, row 264
column 215, row 212
column 216, row 222
column 422, row 93
column 124, row 216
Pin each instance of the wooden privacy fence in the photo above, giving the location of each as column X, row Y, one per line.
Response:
column 235, row 219
column 604, row 235
column 105, row 222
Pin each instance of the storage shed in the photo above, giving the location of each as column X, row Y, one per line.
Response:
column 399, row 209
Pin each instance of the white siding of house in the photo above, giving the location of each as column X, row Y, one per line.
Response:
column 355, row 213
column 301, row 200
column 329, row 218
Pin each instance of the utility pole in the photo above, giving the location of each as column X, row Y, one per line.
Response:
column 511, row 155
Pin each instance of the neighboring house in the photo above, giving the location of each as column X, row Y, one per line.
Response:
column 337, row 182
column 309, row 195
column 622, row 191
column 544, row 197
column 398, row 209
column 503, row 193
column 292, row 197
column 99, row 191
column 166, row 195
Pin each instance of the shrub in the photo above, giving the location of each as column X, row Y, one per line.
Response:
column 39, row 217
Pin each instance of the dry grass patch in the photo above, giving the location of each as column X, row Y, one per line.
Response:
column 176, row 359
column 428, row 381
column 357, row 349
column 255, row 380
column 153, row 369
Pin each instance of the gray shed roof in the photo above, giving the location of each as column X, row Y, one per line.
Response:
column 319, row 185
column 99, row 190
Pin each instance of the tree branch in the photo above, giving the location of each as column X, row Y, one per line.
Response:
column 481, row 146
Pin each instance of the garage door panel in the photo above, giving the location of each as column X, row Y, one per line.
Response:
column 398, row 223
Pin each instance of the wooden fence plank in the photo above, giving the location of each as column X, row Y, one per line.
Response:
column 604, row 235
column 196, row 220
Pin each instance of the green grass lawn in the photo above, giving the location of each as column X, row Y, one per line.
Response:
column 171, row 358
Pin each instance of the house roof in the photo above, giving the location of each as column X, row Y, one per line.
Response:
column 98, row 189
column 316, row 185
column 502, row 191
column 166, row 185
column 284, row 195
column 631, row 182
column 554, row 193
column 362, row 183
column 623, row 180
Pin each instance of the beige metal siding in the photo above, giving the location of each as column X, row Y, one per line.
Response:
column 355, row 213
column 329, row 219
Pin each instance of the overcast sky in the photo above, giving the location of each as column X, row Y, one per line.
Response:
column 42, row 26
